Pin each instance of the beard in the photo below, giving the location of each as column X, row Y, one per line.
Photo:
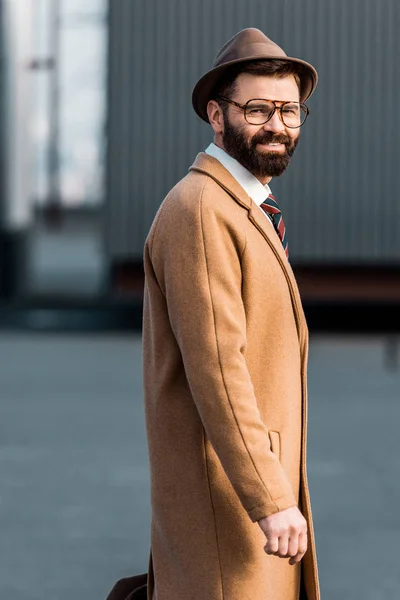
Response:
column 244, row 150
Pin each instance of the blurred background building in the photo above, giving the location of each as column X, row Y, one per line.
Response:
column 341, row 190
column 340, row 194
column 98, row 126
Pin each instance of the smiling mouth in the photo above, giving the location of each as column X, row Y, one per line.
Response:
column 276, row 145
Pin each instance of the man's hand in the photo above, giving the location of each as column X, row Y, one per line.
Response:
column 286, row 534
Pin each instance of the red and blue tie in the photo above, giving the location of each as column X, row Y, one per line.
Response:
column 270, row 206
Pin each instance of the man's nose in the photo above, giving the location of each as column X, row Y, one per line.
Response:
column 274, row 124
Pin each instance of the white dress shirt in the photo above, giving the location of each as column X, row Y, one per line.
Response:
column 251, row 185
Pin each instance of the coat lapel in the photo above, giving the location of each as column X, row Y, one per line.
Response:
column 213, row 168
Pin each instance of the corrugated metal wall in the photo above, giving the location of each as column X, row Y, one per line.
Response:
column 341, row 193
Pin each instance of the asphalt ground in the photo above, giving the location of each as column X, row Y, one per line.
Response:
column 74, row 485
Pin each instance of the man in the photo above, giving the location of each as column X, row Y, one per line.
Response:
column 225, row 349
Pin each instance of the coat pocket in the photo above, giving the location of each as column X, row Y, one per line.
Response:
column 275, row 440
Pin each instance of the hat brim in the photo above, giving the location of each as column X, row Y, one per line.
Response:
column 203, row 89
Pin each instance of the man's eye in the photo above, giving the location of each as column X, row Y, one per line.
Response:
column 293, row 110
column 258, row 111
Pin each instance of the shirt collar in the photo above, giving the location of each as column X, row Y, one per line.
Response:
column 251, row 185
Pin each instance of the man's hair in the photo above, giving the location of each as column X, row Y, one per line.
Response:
column 271, row 67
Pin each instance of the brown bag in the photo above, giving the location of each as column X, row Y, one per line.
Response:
column 130, row 588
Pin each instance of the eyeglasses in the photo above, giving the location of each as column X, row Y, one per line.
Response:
column 258, row 111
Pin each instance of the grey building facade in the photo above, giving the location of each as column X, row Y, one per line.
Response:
column 341, row 193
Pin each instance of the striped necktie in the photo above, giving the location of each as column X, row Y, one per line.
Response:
column 270, row 206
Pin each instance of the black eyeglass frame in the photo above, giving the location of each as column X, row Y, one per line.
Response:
column 278, row 108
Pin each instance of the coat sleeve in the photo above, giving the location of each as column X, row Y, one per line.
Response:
column 195, row 254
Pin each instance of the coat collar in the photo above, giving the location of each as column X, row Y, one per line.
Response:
column 213, row 168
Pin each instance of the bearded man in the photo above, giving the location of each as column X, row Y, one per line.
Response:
column 225, row 349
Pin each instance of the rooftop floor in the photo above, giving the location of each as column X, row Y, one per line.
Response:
column 74, row 495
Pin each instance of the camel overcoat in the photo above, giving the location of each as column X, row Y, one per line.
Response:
column 225, row 347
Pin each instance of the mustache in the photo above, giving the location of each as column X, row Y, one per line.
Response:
column 268, row 137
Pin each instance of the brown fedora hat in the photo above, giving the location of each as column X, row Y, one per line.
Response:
column 247, row 45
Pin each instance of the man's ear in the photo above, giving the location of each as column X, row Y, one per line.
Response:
column 215, row 116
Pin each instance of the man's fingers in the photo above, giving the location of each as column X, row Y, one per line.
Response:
column 293, row 546
column 302, row 549
column 272, row 545
column 278, row 546
column 283, row 546
column 296, row 559
column 286, row 533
